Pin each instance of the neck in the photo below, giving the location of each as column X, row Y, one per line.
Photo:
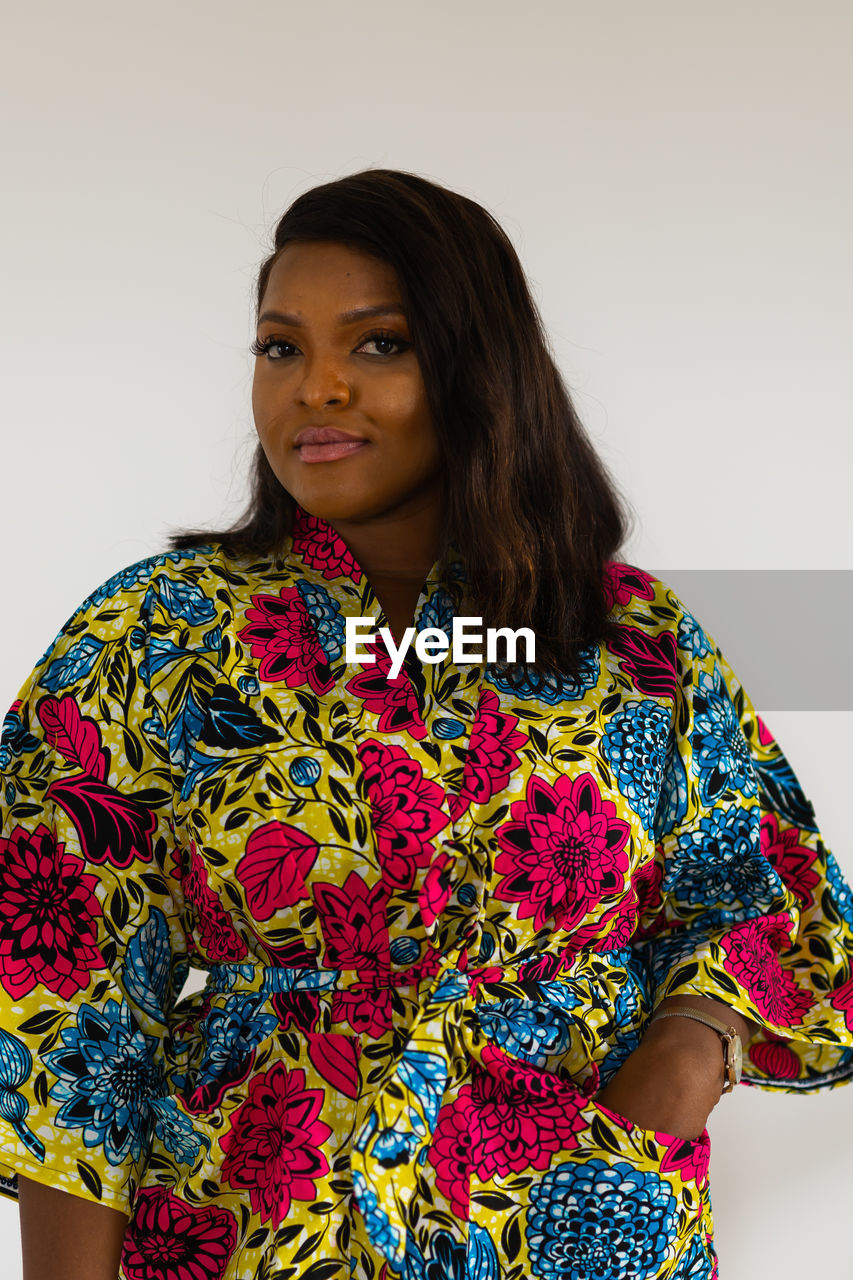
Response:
column 401, row 548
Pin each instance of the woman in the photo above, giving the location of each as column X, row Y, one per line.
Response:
column 438, row 910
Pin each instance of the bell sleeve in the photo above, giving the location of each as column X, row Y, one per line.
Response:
column 743, row 902
column 93, row 950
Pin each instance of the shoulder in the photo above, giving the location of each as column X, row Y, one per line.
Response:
column 642, row 600
column 120, row 610
column 128, row 585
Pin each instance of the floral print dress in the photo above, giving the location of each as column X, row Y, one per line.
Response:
column 436, row 912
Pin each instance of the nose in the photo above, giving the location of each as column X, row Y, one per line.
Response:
column 323, row 384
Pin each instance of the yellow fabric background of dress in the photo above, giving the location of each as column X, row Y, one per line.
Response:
column 436, row 913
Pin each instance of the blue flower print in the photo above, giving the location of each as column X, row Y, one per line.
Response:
column 447, row 1259
column 595, row 1221
column 148, row 965
column 697, row 1263
column 633, row 995
column 175, row 1130
column 121, row 581
column 673, row 794
column 230, row 1035
column 137, row 572
column 184, row 598
column 437, row 612
column 304, row 771
column 482, row 1256
column 391, row 1147
column 107, row 1077
column 448, row 727
column 74, row 665
column 326, row 615
column 546, row 686
column 382, row 1235
column 720, row 751
column 529, row 1030
column 840, row 889
column 691, row 636
column 15, row 740
column 635, row 746
column 721, row 862
column 16, row 1064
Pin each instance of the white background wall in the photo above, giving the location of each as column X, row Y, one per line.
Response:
column 676, row 178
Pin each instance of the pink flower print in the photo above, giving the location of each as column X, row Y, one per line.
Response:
column 610, row 932
column 168, row 1239
column 752, row 957
column 355, row 930
column 562, row 851
column 300, row 1009
column 434, row 893
column 217, row 935
column 450, row 1155
column 457, row 805
column 650, row 661
column 646, row 882
column 842, row 998
column 691, row 1157
column 272, row 871
column 365, row 1007
column 546, row 967
column 510, row 1118
column 492, row 754
column 623, row 582
column 111, row 827
column 77, row 738
column 765, row 737
column 423, row 969
column 392, row 699
column 48, row 916
column 273, row 1148
column 335, row 1058
column 281, row 633
column 773, row 1057
column 476, row 977
column 792, row 860
column 322, row 547
column 407, row 810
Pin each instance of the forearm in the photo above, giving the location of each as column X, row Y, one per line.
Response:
column 675, row 1078
column 65, row 1237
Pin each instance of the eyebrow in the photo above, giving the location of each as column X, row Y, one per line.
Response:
column 346, row 317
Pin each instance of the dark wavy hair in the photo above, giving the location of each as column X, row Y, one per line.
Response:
column 527, row 500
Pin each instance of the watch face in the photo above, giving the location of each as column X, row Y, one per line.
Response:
column 737, row 1058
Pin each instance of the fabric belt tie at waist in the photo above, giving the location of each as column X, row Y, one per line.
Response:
column 442, row 1040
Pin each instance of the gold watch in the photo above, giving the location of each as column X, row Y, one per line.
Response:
column 732, row 1046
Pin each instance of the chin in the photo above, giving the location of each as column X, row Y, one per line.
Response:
column 336, row 506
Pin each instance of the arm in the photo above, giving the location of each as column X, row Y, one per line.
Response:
column 98, row 958
column 64, row 1237
column 675, row 1078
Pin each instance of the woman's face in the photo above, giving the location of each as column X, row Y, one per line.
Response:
column 319, row 367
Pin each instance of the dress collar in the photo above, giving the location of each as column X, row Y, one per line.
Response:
column 324, row 555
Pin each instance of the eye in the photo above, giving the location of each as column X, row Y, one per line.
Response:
column 258, row 348
column 383, row 337
column 264, row 348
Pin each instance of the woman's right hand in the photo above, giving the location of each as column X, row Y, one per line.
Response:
column 64, row 1237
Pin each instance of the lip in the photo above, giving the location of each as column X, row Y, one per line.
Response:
column 331, row 451
column 325, row 435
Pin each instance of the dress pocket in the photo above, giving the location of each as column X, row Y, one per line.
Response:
column 666, row 1150
column 651, row 1176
